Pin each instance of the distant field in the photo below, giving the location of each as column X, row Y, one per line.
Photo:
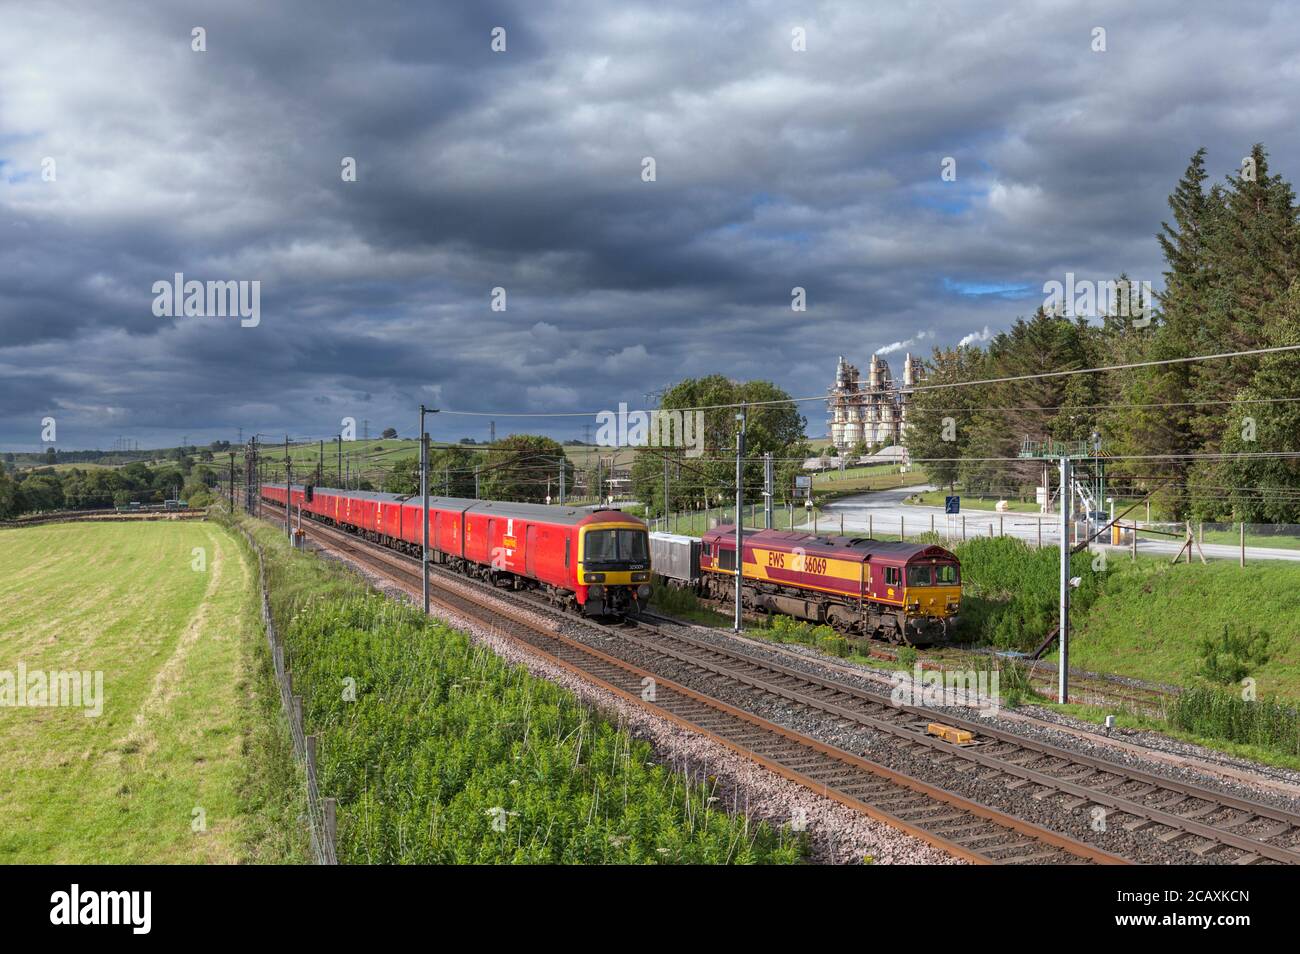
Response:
column 181, row 741
column 877, row 477
column 375, row 457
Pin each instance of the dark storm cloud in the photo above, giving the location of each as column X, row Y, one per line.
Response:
column 775, row 169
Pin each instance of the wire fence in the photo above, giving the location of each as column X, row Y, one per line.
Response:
column 322, row 813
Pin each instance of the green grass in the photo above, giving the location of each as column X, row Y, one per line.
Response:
column 1265, row 755
column 1272, row 541
column 443, row 737
column 825, row 489
column 1150, row 616
column 185, row 732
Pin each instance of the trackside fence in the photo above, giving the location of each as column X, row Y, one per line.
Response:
column 321, row 812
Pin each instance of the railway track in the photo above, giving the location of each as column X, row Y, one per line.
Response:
column 1210, row 824
column 944, row 819
column 1085, row 688
column 1090, row 689
column 1171, row 810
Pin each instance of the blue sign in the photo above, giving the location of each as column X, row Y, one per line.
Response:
column 952, row 505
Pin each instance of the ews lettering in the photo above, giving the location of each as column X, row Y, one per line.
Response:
column 799, row 563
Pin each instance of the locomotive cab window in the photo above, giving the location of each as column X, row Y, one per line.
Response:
column 616, row 546
column 946, row 574
column 727, row 559
column 892, row 576
column 918, row 576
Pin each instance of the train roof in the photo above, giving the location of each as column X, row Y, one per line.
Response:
column 826, row 545
column 568, row 516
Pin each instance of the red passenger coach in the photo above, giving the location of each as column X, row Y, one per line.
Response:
column 594, row 560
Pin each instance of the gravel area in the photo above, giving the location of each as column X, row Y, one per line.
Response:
column 1151, row 751
column 837, row 834
column 979, row 784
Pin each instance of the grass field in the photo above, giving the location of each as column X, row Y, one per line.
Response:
column 861, row 479
column 1148, row 618
column 185, row 763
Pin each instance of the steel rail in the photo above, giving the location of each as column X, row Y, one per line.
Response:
column 943, row 819
column 1284, row 822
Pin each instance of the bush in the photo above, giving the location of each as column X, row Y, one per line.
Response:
column 835, row 645
column 787, row 629
column 1230, row 656
column 1214, row 713
column 1010, row 591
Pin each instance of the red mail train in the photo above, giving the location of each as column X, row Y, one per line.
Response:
column 595, row 561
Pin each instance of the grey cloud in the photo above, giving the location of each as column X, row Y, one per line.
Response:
column 775, row 169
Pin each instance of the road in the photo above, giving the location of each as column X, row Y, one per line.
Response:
column 883, row 514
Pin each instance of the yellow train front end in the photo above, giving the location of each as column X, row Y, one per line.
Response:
column 932, row 599
column 613, row 567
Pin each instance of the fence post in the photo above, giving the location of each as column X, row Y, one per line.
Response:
column 1243, row 543
column 1002, row 526
column 331, row 824
column 311, row 757
column 901, row 534
column 932, row 523
column 963, row 527
column 871, row 525
column 297, row 711
column 1040, row 533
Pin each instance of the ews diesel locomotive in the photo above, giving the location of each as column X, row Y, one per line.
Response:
column 594, row 561
column 894, row 591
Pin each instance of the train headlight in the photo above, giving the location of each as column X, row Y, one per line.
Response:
column 596, row 592
column 643, row 592
column 595, row 577
column 640, row 577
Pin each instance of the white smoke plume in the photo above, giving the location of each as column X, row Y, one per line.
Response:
column 900, row 345
column 975, row 336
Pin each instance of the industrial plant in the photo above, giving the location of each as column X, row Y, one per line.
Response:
column 875, row 414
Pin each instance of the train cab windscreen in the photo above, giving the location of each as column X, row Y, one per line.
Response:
column 607, row 547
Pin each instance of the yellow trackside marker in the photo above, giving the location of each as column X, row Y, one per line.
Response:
column 950, row 733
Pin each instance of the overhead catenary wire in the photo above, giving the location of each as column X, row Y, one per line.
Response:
column 912, row 389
